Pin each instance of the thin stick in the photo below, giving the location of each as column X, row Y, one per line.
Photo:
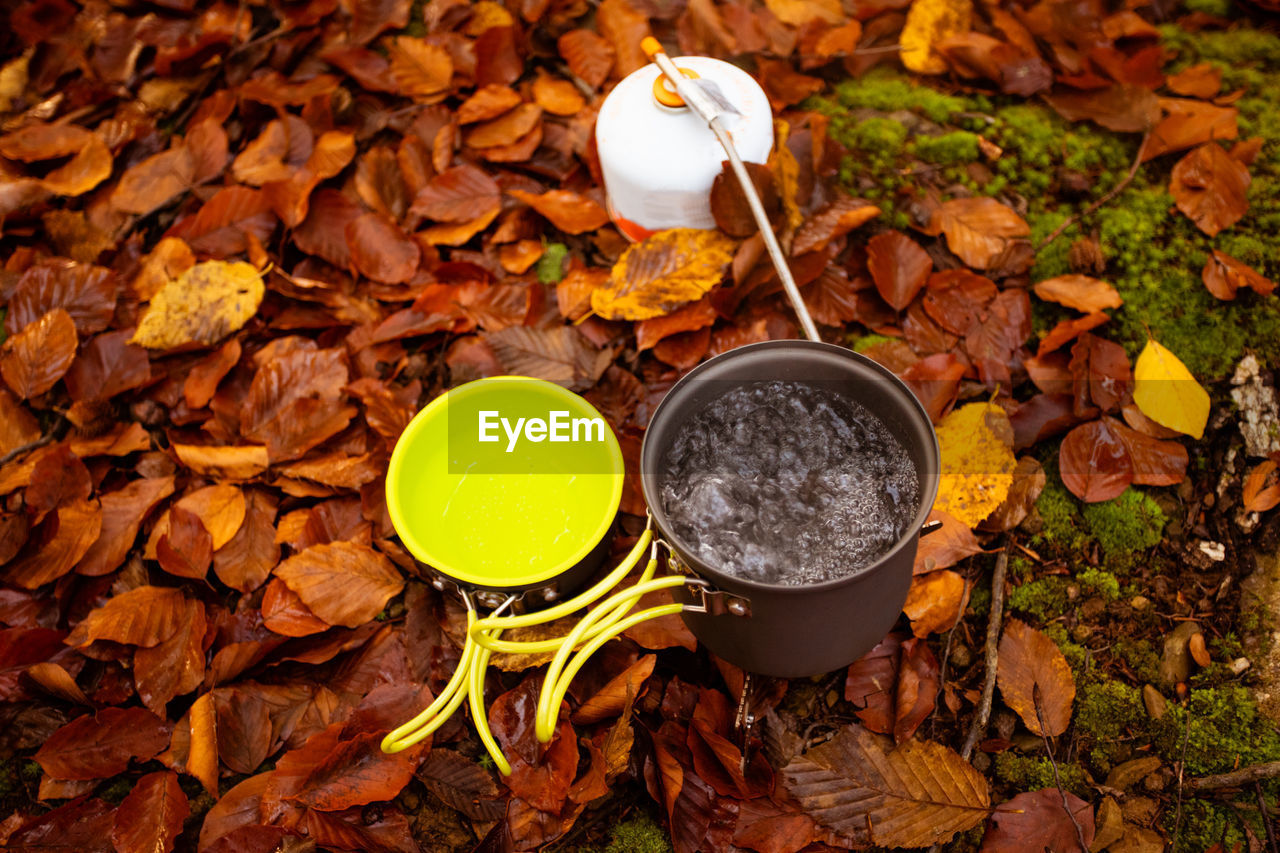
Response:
column 1182, row 763
column 1112, row 193
column 30, row 445
column 994, row 622
column 1266, row 824
column 1057, row 780
column 1236, row 778
column 946, row 652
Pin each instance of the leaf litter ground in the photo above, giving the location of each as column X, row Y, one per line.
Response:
column 207, row 621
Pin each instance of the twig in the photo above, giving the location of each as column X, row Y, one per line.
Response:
column 1112, row 193
column 1057, row 780
column 1266, row 824
column 994, row 622
column 31, row 445
column 1182, row 763
column 1236, row 778
column 946, row 652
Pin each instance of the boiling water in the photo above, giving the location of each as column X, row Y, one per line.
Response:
column 788, row 483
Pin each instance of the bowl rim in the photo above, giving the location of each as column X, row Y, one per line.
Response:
column 419, row 546
column 929, row 481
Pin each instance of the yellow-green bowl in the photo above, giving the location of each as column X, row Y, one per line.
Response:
column 497, row 514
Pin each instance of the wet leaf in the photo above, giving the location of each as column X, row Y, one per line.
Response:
column 729, row 205
column 461, row 784
column 556, row 96
column 590, row 57
column 75, row 525
column 86, row 292
column 150, row 818
column 144, row 616
column 343, row 583
column 1256, row 495
column 246, row 560
column 935, row 602
column 1188, row 123
column 570, row 212
column 34, row 359
column 946, row 546
column 898, row 266
column 561, row 355
column 929, row 22
column 624, row 27
column 225, row 223
column 95, row 746
column 691, row 317
column 1223, row 275
column 661, row 273
column 1122, row 108
column 1035, row 679
column 914, row 795
column 1098, row 460
column 1037, row 820
column 1210, row 187
column 979, row 229
column 835, row 220
column 1081, row 292
column 1068, row 330
column 380, row 250
column 506, row 129
column 1197, row 81
column 621, row 690
column 203, row 305
column 1168, row 393
column 460, row 194
column 122, row 513
column 977, row 462
column 421, row 70
column 295, row 402
column 176, row 665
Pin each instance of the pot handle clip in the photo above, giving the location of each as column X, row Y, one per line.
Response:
column 715, row 602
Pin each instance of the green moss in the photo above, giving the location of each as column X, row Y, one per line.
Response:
column 1109, row 719
column 883, row 89
column 31, row 771
column 1224, row 732
column 1127, row 524
column 1044, row 598
column 1059, row 510
column 550, row 266
column 1031, row 773
column 980, row 601
column 1203, row 825
column 882, row 136
column 1100, row 582
column 866, row 342
column 1139, row 655
column 1218, row 8
column 638, row 835
column 116, row 790
column 958, row 147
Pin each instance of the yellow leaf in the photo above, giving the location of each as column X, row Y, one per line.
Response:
column 1166, row 392
column 13, row 81
column 658, row 275
column 798, row 13
column 977, row 462
column 929, row 22
column 202, row 305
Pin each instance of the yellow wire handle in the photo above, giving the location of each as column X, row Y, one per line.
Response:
column 482, row 640
column 555, row 685
column 440, row 710
column 479, row 714
column 480, row 631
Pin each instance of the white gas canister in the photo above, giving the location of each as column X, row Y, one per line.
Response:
column 659, row 161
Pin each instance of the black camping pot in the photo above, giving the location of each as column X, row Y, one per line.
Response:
column 794, row 630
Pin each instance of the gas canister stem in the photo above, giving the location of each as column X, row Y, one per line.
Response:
column 707, row 110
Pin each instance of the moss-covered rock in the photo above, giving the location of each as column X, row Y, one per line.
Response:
column 1224, row 731
column 1131, row 522
column 1110, row 720
column 957, row 147
column 1031, row 773
column 1043, row 598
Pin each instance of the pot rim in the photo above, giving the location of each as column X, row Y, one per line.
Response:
column 928, row 484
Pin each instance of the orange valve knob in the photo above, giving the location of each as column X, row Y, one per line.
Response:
column 665, row 93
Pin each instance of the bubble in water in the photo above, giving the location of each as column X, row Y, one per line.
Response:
column 787, row 483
